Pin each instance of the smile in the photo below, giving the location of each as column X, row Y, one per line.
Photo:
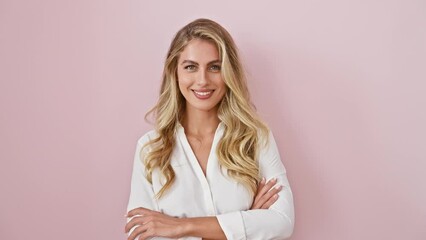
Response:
column 203, row 94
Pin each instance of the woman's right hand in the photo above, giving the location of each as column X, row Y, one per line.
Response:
column 266, row 195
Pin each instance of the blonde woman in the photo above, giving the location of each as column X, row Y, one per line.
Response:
column 211, row 168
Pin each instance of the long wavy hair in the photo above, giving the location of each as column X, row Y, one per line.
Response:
column 243, row 130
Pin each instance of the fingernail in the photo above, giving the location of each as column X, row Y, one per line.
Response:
column 279, row 187
column 276, row 196
column 263, row 180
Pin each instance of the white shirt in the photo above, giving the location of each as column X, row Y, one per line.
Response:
column 194, row 194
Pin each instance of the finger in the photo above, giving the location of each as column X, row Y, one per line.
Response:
column 255, row 205
column 137, row 220
column 268, row 186
column 136, row 211
column 266, row 197
column 142, row 220
column 145, row 235
column 271, row 201
column 260, row 197
column 148, row 232
column 259, row 188
column 265, row 189
column 262, row 190
column 261, row 184
column 138, row 231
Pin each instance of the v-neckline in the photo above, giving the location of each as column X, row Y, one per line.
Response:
column 193, row 158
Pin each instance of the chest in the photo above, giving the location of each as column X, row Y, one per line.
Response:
column 201, row 149
column 196, row 194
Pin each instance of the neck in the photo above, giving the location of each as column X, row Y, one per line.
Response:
column 197, row 122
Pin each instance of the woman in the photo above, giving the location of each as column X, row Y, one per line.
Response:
column 201, row 173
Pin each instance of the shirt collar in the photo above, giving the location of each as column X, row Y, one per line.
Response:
column 220, row 127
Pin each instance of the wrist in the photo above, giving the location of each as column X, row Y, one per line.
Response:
column 187, row 227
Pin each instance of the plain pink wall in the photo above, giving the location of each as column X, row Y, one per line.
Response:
column 341, row 84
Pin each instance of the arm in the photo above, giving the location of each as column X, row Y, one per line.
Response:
column 252, row 224
column 141, row 191
column 277, row 222
column 145, row 220
column 150, row 223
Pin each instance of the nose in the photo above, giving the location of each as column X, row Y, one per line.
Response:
column 202, row 78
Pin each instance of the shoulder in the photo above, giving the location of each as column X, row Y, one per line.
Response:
column 267, row 145
column 269, row 157
column 266, row 138
column 141, row 149
column 148, row 136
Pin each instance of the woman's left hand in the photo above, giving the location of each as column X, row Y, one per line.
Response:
column 266, row 195
column 153, row 224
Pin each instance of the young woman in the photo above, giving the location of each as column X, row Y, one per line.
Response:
column 202, row 172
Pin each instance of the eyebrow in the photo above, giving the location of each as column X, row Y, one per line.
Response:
column 195, row 63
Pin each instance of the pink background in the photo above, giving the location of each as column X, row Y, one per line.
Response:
column 341, row 83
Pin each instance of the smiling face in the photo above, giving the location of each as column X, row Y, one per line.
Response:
column 199, row 76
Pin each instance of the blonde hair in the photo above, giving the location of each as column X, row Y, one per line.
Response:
column 243, row 130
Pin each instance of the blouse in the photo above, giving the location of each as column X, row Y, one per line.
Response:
column 194, row 194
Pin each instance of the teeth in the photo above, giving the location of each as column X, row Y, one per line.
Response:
column 203, row 93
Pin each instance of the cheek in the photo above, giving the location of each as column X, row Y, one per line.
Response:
column 183, row 86
column 184, row 83
column 222, row 86
column 182, row 80
column 219, row 82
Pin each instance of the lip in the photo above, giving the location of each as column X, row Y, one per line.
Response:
column 203, row 94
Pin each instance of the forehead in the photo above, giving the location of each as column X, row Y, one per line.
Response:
column 201, row 51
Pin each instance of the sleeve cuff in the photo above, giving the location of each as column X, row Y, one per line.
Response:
column 232, row 225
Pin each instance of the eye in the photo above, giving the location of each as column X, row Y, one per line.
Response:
column 215, row 68
column 190, row 67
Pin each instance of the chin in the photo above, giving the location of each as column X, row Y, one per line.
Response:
column 205, row 107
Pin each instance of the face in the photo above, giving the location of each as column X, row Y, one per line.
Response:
column 199, row 76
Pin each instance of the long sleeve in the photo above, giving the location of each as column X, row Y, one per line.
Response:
column 141, row 191
column 277, row 222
